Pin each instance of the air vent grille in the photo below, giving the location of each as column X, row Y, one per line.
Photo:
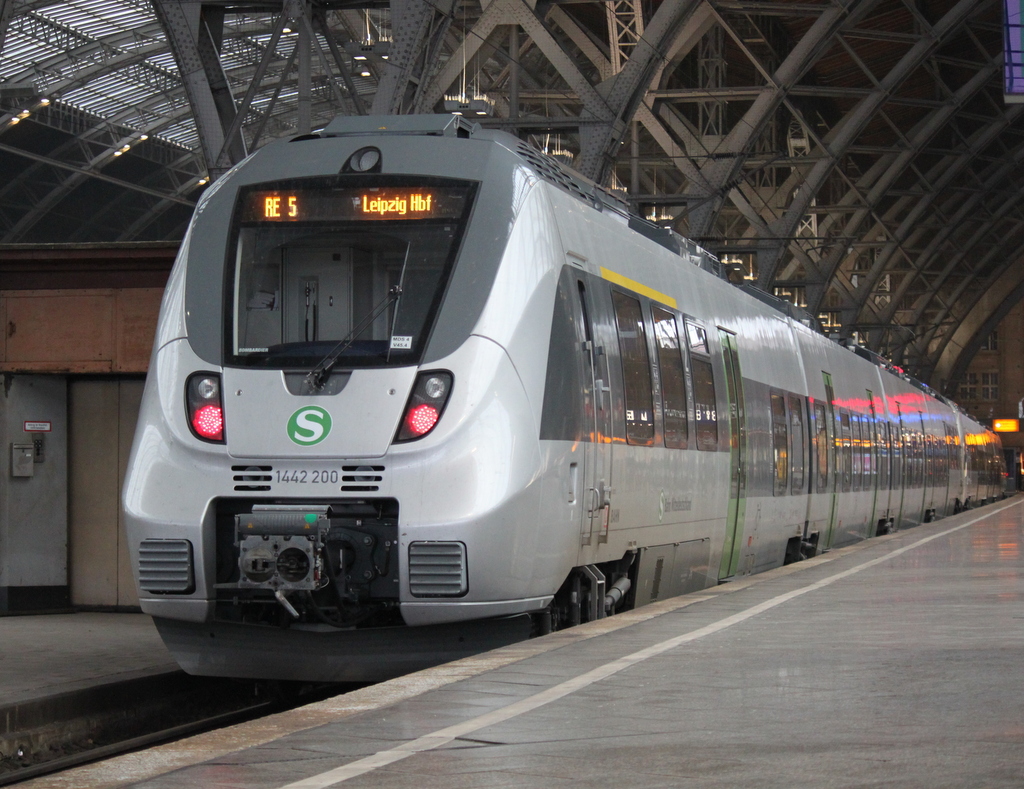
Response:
column 437, row 569
column 252, row 477
column 548, row 169
column 361, row 478
column 165, row 567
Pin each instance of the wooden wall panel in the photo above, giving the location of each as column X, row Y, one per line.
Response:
column 135, row 318
column 78, row 331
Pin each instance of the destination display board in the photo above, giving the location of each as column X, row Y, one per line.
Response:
column 347, row 205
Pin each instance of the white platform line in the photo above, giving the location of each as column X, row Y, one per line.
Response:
column 429, row 742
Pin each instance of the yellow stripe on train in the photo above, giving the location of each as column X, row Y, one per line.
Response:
column 636, row 287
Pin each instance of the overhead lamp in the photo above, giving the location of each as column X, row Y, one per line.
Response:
column 143, row 136
column 361, row 50
column 460, row 104
column 286, row 30
column 204, row 181
column 24, row 114
column 364, row 73
column 44, row 102
column 15, row 120
column 118, row 153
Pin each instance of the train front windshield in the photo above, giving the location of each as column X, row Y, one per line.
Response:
column 353, row 263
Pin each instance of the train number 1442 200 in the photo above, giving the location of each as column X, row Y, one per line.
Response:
column 302, row 476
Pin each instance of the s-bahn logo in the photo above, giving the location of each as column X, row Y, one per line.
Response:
column 309, row 425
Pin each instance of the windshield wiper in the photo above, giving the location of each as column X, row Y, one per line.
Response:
column 317, row 377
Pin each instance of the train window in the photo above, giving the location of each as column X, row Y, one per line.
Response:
column 567, row 414
column 845, row 446
column 796, row 429
column 322, row 267
column 952, row 453
column 896, row 456
column 697, row 337
column 706, row 408
column 636, row 369
column 821, row 447
column 867, row 432
column 780, row 444
column 857, row 442
column 673, row 377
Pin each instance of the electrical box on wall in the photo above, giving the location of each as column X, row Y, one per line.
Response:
column 23, row 460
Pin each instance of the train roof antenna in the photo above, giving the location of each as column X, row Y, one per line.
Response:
column 317, row 377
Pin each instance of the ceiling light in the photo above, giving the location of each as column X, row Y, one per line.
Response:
column 15, row 120
column 364, row 73
column 24, row 114
column 359, row 57
column 44, row 102
column 118, row 153
column 203, row 181
column 286, row 30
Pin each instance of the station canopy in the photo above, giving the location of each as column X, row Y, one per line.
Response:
column 856, row 158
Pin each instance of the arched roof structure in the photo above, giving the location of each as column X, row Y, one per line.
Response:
column 853, row 156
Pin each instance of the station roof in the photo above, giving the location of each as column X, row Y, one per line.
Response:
column 853, row 156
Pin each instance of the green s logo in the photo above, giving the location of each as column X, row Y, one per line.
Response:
column 309, row 425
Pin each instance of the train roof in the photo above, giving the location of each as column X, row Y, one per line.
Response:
column 583, row 189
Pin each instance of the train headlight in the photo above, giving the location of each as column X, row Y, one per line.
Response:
column 203, row 407
column 429, row 396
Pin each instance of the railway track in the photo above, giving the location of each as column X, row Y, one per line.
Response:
column 77, row 728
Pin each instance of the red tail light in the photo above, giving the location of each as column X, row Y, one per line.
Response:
column 204, row 408
column 208, row 422
column 421, row 419
column 426, row 404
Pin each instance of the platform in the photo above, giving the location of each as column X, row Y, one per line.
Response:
column 42, row 656
column 898, row 662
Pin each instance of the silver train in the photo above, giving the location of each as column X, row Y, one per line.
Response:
column 417, row 391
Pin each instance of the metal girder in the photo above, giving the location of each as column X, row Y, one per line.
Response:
column 944, row 174
column 411, row 58
column 985, row 314
column 872, row 188
column 8, row 8
column 203, row 78
column 100, row 176
column 125, row 206
column 846, row 132
column 626, row 28
column 624, row 91
column 516, row 12
column 1005, row 247
column 723, row 171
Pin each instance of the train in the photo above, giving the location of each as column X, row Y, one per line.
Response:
column 418, row 390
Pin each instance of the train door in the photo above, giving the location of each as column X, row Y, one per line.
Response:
column 871, row 462
column 737, row 451
column 900, row 475
column 946, row 459
column 832, row 458
column 921, row 459
column 597, row 452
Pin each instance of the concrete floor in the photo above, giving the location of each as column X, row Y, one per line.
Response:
column 899, row 663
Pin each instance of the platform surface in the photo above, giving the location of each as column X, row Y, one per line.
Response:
column 896, row 663
column 45, row 655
